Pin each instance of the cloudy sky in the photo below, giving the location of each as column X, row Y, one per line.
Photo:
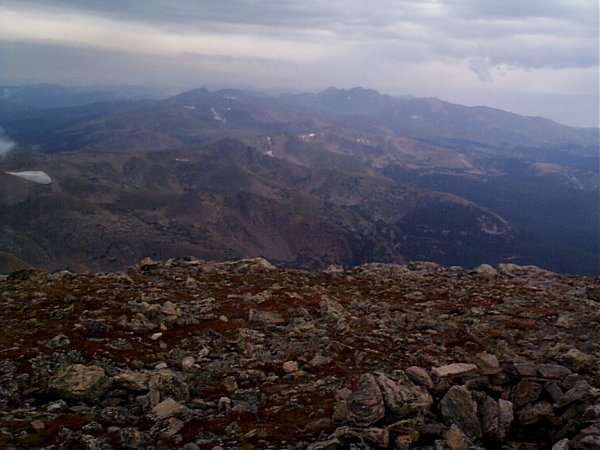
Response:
column 534, row 57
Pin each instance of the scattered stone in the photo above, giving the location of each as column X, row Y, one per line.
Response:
column 319, row 361
column 564, row 321
column 214, row 383
column 187, row 363
column 266, row 317
column 59, row 340
column 290, row 366
column 38, row 425
column 230, row 385
column 593, row 293
column 486, row 270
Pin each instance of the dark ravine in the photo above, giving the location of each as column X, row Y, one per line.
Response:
column 193, row 354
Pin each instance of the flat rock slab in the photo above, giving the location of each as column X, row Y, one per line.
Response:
column 167, row 408
column 553, row 370
column 454, row 370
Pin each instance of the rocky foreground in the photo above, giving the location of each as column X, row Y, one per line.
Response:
column 197, row 355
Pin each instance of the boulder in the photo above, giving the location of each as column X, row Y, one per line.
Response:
column 362, row 407
column 454, row 370
column 80, row 382
column 458, row 408
column 403, row 398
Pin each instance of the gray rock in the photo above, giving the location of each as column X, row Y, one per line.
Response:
column 489, row 412
column 329, row 444
column 593, row 293
column 266, row 317
column 553, row 390
column 59, row 340
column 457, row 440
column 487, row 363
column 525, row 368
column 505, row 418
column 526, row 391
column 379, row 437
column 563, row 444
column 485, row 270
column 169, row 384
column 454, row 370
column 553, row 370
column 403, row 398
column 578, row 360
column 362, row 407
column 534, row 412
column 133, row 438
column 579, row 392
column 132, row 381
column 458, row 408
column 167, row 408
column 79, row 382
column 419, row 376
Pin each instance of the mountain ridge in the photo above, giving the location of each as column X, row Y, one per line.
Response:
column 403, row 177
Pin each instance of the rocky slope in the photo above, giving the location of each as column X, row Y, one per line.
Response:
column 202, row 355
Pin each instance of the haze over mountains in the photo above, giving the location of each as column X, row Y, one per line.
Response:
column 305, row 180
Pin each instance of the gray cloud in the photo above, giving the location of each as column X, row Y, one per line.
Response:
column 6, row 144
column 481, row 68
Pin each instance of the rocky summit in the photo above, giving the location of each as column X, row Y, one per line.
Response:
column 239, row 355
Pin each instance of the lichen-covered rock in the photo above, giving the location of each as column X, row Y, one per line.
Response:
column 402, row 397
column 80, row 382
column 526, row 391
column 458, row 408
column 363, row 406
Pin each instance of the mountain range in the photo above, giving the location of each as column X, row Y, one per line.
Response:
column 306, row 180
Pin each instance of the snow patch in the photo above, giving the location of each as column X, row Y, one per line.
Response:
column 269, row 153
column 217, row 116
column 36, row 176
column 189, row 107
column 414, row 117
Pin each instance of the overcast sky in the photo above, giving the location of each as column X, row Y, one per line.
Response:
column 534, row 57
